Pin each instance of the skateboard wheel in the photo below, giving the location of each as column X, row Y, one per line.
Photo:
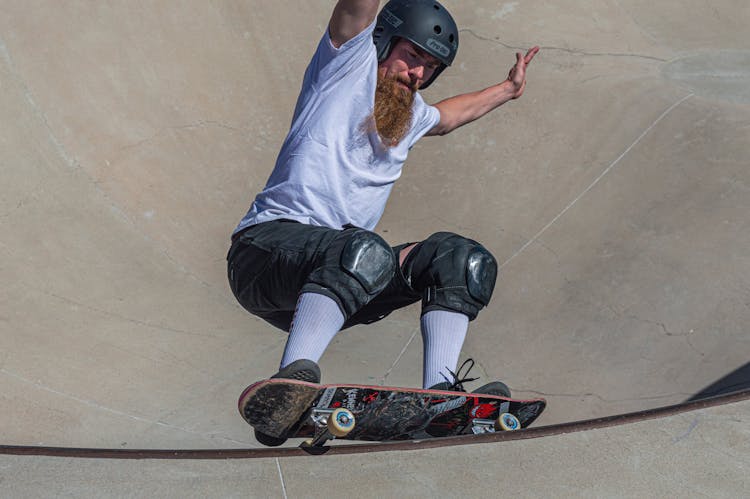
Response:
column 508, row 422
column 340, row 422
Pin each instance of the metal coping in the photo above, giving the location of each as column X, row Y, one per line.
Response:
column 542, row 431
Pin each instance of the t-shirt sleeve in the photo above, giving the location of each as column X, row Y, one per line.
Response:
column 330, row 63
column 425, row 119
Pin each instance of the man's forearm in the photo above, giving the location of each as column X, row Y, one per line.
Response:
column 461, row 109
column 465, row 108
column 349, row 18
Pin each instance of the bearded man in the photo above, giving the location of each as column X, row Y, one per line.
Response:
column 305, row 257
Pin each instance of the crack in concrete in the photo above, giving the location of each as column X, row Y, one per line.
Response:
column 69, row 160
column 198, row 124
column 90, row 403
column 606, row 400
column 596, row 180
column 563, row 49
column 74, row 164
column 24, row 199
column 281, row 478
column 398, row 357
column 13, row 210
column 667, row 332
column 170, row 357
column 686, row 433
column 138, row 322
column 35, row 108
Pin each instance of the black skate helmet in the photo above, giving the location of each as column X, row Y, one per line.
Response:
column 425, row 23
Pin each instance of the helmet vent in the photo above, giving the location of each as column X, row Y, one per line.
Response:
column 438, row 30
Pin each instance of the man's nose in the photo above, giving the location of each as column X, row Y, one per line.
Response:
column 417, row 72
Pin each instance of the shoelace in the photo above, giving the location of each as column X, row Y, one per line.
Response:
column 458, row 378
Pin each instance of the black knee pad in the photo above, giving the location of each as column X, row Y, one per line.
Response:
column 369, row 259
column 356, row 267
column 453, row 272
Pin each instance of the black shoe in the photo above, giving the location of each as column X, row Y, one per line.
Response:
column 457, row 385
column 268, row 440
column 301, row 370
column 445, row 386
column 494, row 388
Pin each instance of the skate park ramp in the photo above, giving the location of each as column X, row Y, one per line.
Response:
column 615, row 195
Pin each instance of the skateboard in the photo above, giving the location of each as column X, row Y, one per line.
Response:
column 284, row 408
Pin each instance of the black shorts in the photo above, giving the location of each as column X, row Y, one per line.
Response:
column 268, row 266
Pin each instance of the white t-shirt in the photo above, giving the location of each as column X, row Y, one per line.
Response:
column 333, row 168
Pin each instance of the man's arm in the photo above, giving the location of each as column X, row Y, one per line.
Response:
column 462, row 109
column 349, row 18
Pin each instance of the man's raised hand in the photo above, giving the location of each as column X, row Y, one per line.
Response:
column 517, row 74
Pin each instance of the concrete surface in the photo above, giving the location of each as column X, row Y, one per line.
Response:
column 696, row 454
column 615, row 194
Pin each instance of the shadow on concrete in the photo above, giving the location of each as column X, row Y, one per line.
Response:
column 737, row 380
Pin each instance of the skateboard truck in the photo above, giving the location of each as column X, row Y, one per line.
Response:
column 504, row 422
column 329, row 424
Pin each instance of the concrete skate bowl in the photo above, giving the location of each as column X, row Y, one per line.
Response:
column 614, row 194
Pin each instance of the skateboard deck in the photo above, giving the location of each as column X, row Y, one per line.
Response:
column 297, row 409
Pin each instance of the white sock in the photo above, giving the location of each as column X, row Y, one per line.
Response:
column 317, row 319
column 443, row 335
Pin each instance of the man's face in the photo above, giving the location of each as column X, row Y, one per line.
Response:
column 399, row 77
column 409, row 65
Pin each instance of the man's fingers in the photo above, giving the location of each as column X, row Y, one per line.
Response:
column 528, row 57
column 518, row 71
column 530, row 54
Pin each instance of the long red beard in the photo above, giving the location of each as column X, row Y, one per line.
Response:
column 393, row 110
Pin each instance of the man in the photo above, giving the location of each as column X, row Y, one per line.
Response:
column 304, row 258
